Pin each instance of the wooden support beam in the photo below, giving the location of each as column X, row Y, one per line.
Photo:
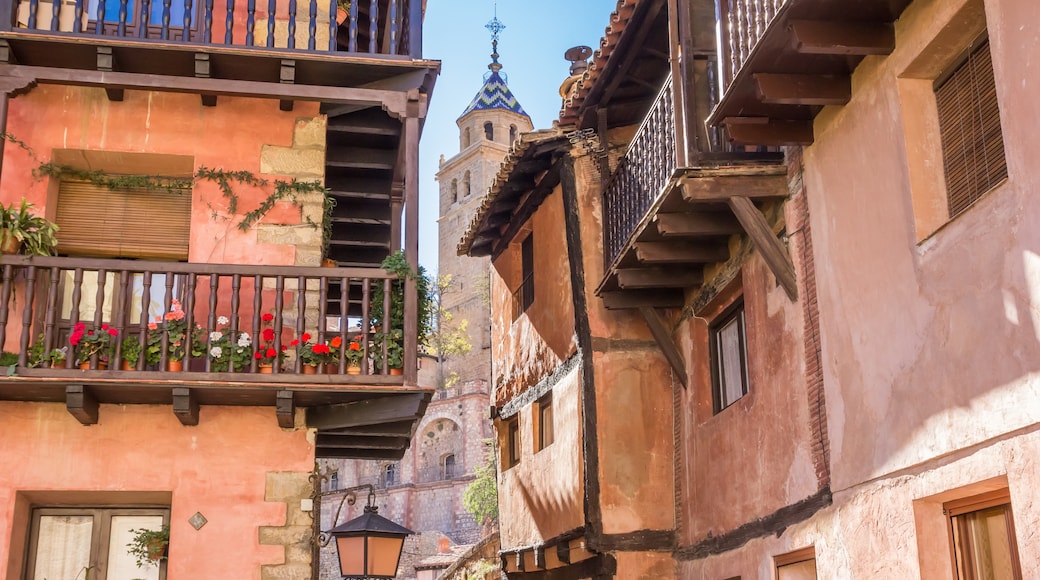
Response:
column 81, row 404
column 628, row 299
column 772, row 133
column 664, row 340
column 680, row 252
column 332, row 453
column 643, row 278
column 773, row 251
column 202, row 71
column 696, row 224
column 720, row 188
column 387, row 409
column 6, row 54
column 792, row 89
column 843, row 38
column 186, row 406
column 401, row 429
column 285, row 409
column 328, row 441
column 287, row 76
column 563, row 551
column 520, row 560
column 539, row 557
column 106, row 63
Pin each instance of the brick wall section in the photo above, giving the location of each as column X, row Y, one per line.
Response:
column 295, row 535
column 800, row 234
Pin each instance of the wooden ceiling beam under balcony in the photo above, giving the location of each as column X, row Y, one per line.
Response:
column 696, row 224
column 769, row 132
column 718, row 185
column 645, row 278
column 680, row 252
column 388, row 409
column 822, row 90
column 630, row 299
column 851, row 38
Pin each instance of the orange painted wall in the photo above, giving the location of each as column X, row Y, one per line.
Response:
column 229, row 136
column 217, row 468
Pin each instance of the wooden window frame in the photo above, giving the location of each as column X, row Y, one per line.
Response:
column 959, row 88
column 523, row 296
column 512, row 449
column 793, row 557
column 444, row 466
column 545, row 434
column 975, row 503
column 734, row 312
column 100, row 536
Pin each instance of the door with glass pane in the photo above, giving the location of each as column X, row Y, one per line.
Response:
column 91, row 543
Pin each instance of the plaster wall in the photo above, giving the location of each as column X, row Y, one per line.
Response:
column 228, row 136
column 542, row 496
column 220, row 468
column 931, row 345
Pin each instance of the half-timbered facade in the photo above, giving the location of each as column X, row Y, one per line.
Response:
column 201, row 160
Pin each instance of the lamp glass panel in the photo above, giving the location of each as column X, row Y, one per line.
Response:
column 351, row 555
column 383, row 554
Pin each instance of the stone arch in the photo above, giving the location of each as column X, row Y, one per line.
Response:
column 467, row 138
column 438, row 439
column 489, row 131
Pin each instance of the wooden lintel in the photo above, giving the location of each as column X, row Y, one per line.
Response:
column 696, row 224
column 285, row 409
column 81, row 404
column 793, row 89
column 680, row 252
column 563, row 552
column 721, row 188
column 664, row 340
column 628, row 299
column 773, row 251
column 773, row 133
column 843, row 38
column 384, row 409
column 186, row 406
column 643, row 278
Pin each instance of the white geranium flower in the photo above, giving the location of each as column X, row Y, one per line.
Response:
column 222, row 320
column 244, row 340
column 216, row 352
column 215, row 336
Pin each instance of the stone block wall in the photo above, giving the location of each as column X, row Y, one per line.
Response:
column 295, row 535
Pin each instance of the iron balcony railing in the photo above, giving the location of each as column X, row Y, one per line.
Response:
column 641, row 175
column 383, row 27
column 742, row 23
column 43, row 300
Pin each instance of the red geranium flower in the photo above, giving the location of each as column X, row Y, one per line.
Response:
column 268, row 334
column 271, row 353
column 355, row 346
column 268, row 317
column 305, row 337
column 336, row 342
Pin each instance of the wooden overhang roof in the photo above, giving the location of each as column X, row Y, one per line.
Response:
column 627, row 69
column 527, row 175
column 803, row 62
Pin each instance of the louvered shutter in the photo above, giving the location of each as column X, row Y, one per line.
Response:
column 133, row 223
column 969, row 124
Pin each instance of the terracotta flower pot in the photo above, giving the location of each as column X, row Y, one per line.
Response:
column 102, row 365
column 332, row 368
column 396, row 371
column 127, row 366
column 8, row 243
column 310, row 369
column 175, row 366
column 266, row 369
column 353, row 370
column 341, row 15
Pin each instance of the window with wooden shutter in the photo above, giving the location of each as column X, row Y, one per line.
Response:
column 133, row 223
column 969, row 126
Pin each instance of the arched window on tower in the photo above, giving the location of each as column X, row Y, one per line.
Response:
column 454, row 190
column 466, row 138
column 512, row 134
column 489, row 131
column 334, row 481
column 465, row 184
column 390, row 474
column 449, row 466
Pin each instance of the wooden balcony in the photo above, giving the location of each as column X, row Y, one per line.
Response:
column 371, row 414
column 784, row 60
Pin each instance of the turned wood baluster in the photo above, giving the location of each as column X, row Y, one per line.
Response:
column 373, row 26
column 99, row 310
column 207, row 23
column 119, row 317
column 333, row 23
column 323, row 293
column 352, row 31
column 188, row 291
column 168, row 301
column 291, row 40
column 394, row 26
column 366, row 297
column 250, row 21
column 236, row 301
column 312, row 25
column 164, row 32
column 344, row 306
column 55, row 10
column 301, row 315
column 258, row 288
column 271, row 7
column 229, row 22
column 387, row 289
column 27, row 312
column 50, row 321
column 211, row 316
column 279, row 300
column 34, row 5
column 144, row 319
column 77, row 291
column 5, row 302
column 124, row 14
column 77, row 22
column 189, row 17
column 146, row 14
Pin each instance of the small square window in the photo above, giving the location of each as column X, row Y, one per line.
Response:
column 982, row 531
column 729, row 375
column 511, row 449
column 545, row 422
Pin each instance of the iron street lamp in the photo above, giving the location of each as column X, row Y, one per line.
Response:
column 369, row 546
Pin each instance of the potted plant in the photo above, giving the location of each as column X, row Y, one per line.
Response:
column 396, row 264
column 149, row 546
column 131, row 353
column 311, row 355
column 21, row 230
column 8, row 359
column 90, row 343
column 342, row 11
column 394, row 350
column 228, row 352
column 266, row 353
column 332, row 356
column 354, row 355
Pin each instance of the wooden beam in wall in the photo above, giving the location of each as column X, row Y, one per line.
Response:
column 680, row 252
column 770, row 133
column 81, row 404
column 106, row 63
column 285, row 409
column 186, row 406
column 286, row 76
column 664, row 340
column 843, row 38
column 795, row 89
column 643, row 278
column 773, row 251
column 202, row 71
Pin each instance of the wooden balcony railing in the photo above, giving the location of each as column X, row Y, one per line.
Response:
column 383, row 27
column 641, row 175
column 43, row 298
column 742, row 23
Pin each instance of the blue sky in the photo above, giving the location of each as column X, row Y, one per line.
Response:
column 531, row 47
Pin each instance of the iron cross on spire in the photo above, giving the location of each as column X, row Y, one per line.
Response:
column 495, row 26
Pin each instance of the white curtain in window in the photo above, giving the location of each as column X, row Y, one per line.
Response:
column 64, row 547
column 730, row 366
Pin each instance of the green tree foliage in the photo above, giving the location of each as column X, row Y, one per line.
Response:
column 481, row 497
column 448, row 337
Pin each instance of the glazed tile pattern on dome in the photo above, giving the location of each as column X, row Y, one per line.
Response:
column 495, row 94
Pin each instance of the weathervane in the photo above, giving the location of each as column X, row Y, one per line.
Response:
column 495, row 26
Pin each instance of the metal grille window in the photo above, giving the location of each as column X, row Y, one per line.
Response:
column 969, row 125
column 729, row 375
